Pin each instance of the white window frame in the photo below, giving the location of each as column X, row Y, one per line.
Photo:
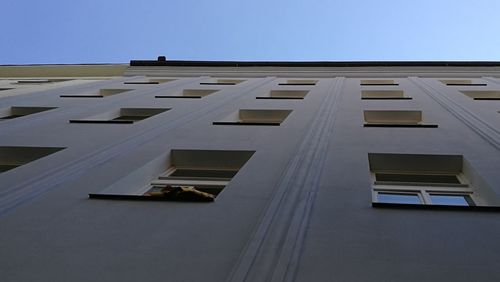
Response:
column 424, row 190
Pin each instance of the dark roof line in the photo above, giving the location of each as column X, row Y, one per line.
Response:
column 176, row 63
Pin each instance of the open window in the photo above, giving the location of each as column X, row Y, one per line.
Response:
column 255, row 117
column 483, row 95
column 15, row 112
column 394, row 118
column 190, row 93
column 285, row 94
column 299, row 82
column 378, row 82
column 383, row 95
column 150, row 81
column 221, row 81
column 412, row 179
column 462, row 82
column 204, row 171
column 122, row 116
column 12, row 157
column 101, row 93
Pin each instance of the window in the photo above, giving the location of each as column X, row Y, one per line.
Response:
column 150, row 81
column 190, row 93
column 383, row 95
column 392, row 118
column 451, row 199
column 377, row 82
column 122, row 116
column 255, row 117
column 202, row 173
column 15, row 112
column 299, row 82
column 461, row 82
column 12, row 157
column 416, row 178
column 285, row 94
column 39, row 81
column 398, row 198
column 99, row 94
column 407, row 179
column 483, row 95
column 3, row 89
column 460, row 197
column 222, row 82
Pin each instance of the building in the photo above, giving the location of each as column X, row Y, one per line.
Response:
column 322, row 171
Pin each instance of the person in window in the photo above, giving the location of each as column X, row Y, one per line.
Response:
column 182, row 193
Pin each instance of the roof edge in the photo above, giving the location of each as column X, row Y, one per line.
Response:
column 181, row 63
column 94, row 70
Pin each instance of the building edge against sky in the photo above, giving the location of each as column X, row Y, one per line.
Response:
column 321, row 171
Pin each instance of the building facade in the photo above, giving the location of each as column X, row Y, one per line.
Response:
column 320, row 171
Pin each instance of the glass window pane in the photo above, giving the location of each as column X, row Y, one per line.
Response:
column 450, row 200
column 398, row 198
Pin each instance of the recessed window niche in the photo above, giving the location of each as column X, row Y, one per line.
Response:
column 205, row 171
column 428, row 181
column 150, row 81
column 15, row 112
column 190, row 93
column 378, row 82
column 222, row 81
column 482, row 94
column 101, row 93
column 12, row 157
column 40, row 81
column 285, row 94
column 383, row 95
column 461, row 82
column 122, row 116
column 394, row 118
column 299, row 82
column 255, row 117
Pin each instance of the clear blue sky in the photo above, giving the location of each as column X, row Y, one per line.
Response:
column 113, row 31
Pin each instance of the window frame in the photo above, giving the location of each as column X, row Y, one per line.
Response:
column 258, row 117
column 188, row 159
column 424, row 190
column 395, row 118
column 282, row 94
column 117, row 116
column 191, row 93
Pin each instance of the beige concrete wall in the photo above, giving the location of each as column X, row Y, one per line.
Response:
column 300, row 208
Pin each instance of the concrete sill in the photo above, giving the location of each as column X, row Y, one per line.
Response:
column 102, row 121
column 190, row 97
column 81, row 96
column 245, row 123
column 462, row 84
column 386, row 98
column 136, row 198
column 400, row 125
column 293, row 98
column 436, row 207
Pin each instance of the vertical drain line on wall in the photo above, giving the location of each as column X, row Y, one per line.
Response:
column 474, row 122
column 274, row 249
